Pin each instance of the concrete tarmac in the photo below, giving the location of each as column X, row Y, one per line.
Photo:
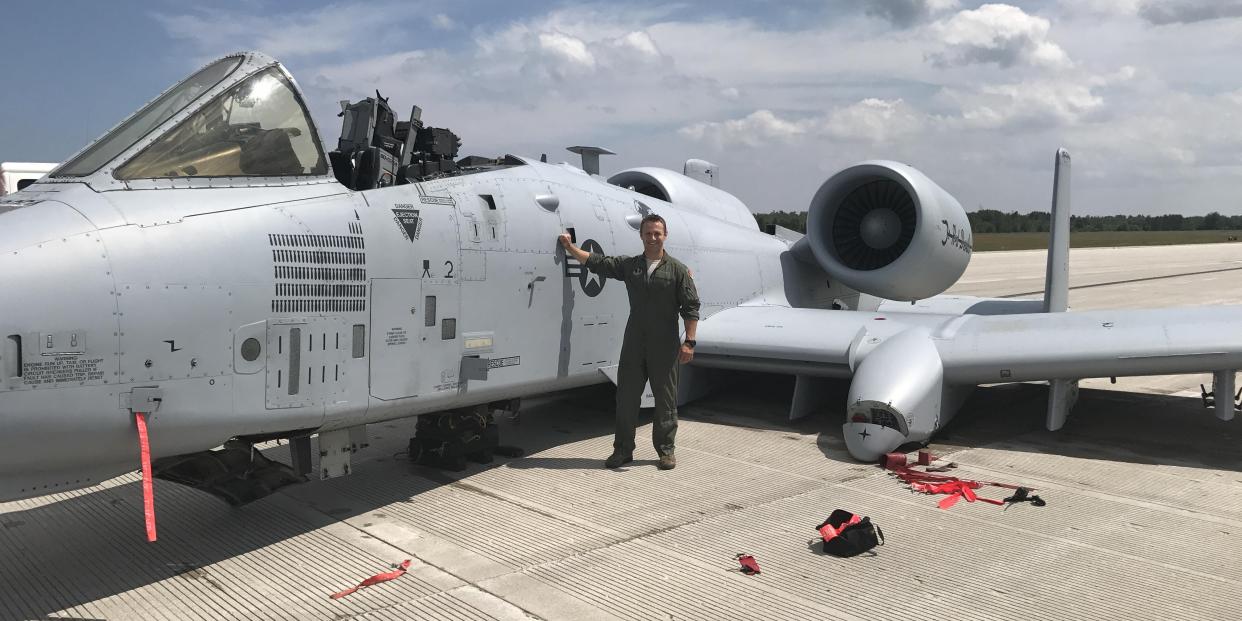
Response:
column 1143, row 517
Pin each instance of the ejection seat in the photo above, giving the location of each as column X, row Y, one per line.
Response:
column 269, row 152
column 375, row 150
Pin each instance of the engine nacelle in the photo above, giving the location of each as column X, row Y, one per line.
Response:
column 885, row 229
column 686, row 193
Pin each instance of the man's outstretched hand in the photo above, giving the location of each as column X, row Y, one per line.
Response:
column 570, row 249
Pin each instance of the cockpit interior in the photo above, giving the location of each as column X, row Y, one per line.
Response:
column 377, row 150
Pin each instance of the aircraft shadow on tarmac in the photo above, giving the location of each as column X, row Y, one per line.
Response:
column 196, row 530
column 90, row 543
column 1105, row 424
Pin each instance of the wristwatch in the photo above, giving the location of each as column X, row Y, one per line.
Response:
column 690, row 342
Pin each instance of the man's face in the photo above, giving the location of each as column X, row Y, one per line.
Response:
column 653, row 236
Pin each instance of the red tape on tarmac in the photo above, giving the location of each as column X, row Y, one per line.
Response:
column 376, row 579
column 927, row 483
column 148, row 493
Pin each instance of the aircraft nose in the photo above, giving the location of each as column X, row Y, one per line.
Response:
column 868, row 442
column 58, row 351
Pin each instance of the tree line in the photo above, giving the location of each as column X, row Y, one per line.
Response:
column 993, row 221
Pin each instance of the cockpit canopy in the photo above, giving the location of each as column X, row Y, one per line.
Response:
column 240, row 116
column 258, row 128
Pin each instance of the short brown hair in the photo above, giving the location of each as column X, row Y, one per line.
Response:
column 651, row 217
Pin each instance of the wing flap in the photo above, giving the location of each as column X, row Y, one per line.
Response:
column 780, row 339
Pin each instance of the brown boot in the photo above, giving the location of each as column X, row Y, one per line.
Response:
column 667, row 462
column 618, row 459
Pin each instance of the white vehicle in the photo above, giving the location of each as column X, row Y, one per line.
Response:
column 15, row 176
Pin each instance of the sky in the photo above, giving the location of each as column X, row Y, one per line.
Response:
column 1145, row 94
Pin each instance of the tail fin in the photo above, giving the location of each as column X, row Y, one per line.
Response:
column 1062, row 393
column 1056, row 284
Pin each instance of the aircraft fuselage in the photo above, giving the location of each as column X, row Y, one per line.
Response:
column 265, row 310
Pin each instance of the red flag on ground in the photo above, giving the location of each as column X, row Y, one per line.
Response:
column 376, row 579
column 749, row 566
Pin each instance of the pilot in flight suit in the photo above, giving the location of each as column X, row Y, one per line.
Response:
column 659, row 289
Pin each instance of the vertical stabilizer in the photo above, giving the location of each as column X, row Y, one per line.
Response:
column 1062, row 393
column 1056, row 284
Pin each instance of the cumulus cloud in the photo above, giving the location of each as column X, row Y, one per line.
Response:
column 906, row 13
column 869, row 121
column 1028, row 103
column 1188, row 11
column 873, row 120
column 1047, row 102
column 558, row 51
column 563, row 56
column 1178, row 130
column 569, row 52
column 996, row 33
column 757, row 129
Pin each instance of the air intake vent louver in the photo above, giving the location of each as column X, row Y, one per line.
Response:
column 874, row 225
column 320, row 273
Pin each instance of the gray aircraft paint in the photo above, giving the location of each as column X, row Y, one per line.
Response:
column 113, row 286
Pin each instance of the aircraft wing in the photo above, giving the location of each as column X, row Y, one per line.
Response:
column 1073, row 345
column 805, row 341
column 978, row 349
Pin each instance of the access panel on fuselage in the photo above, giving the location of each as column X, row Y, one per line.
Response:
column 395, row 337
column 519, row 294
column 306, row 360
column 594, row 308
column 415, row 347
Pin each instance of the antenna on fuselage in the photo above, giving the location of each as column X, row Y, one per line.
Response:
column 590, row 157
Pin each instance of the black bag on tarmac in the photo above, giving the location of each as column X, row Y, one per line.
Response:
column 846, row 534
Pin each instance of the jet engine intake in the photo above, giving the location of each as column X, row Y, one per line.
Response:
column 885, row 229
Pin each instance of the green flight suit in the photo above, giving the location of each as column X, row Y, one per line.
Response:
column 652, row 342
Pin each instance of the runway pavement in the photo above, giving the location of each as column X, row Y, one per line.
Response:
column 1143, row 521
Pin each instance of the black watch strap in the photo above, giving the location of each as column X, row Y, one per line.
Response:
column 691, row 343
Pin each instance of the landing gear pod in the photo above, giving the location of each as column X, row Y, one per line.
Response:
column 896, row 396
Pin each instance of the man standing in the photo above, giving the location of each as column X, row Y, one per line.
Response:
column 660, row 288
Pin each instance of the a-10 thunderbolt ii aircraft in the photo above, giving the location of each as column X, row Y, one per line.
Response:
column 207, row 273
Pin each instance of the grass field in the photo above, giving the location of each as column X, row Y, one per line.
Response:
column 1032, row 241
